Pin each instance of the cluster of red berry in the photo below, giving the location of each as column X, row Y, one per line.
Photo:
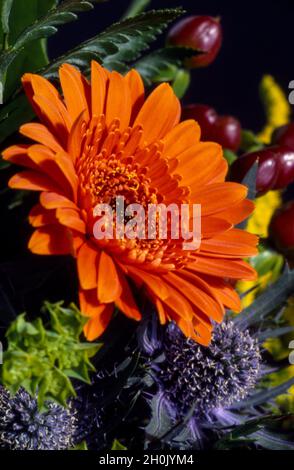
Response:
column 275, row 162
column 226, row 130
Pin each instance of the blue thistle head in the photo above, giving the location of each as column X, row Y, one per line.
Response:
column 207, row 377
column 24, row 427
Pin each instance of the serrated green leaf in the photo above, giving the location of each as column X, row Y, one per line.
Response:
column 121, row 43
column 25, row 13
column 162, row 64
column 33, row 22
column 32, row 57
column 43, row 359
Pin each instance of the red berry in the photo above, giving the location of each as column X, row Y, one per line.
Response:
column 282, row 229
column 204, row 115
column 266, row 175
column 227, row 132
column 275, row 168
column 242, row 165
column 203, row 33
column 284, row 135
column 286, row 167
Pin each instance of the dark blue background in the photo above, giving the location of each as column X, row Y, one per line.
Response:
column 258, row 39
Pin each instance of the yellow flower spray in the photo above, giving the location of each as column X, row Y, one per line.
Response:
column 277, row 108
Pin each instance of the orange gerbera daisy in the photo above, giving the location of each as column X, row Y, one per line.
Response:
column 103, row 139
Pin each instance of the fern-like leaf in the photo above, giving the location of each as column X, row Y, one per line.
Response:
column 120, row 44
column 162, row 64
column 44, row 27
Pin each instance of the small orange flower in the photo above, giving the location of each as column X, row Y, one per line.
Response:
column 103, row 139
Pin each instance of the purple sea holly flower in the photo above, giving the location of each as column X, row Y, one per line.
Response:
column 24, row 427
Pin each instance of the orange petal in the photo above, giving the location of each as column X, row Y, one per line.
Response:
column 67, row 169
column 28, row 88
column 18, row 154
column 185, row 326
column 211, row 226
column 76, row 91
column 216, row 197
column 198, row 297
column 41, row 134
column 75, row 139
column 201, row 158
column 70, row 218
column 59, row 167
column 181, row 137
column 178, row 303
column 36, row 85
column 98, row 323
column 50, row 240
column 39, row 216
column 109, row 287
column 238, row 212
column 99, row 81
column 87, row 262
column 193, row 329
column 160, row 310
column 77, row 241
column 224, row 292
column 153, row 282
column 43, row 87
column 233, row 269
column 220, row 172
column 55, row 200
column 204, row 163
column 118, row 104
column 159, row 114
column 126, row 302
column 31, row 180
column 51, row 117
column 136, row 87
column 202, row 334
column 89, row 304
column 231, row 244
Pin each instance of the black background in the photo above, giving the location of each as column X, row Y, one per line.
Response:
column 258, row 39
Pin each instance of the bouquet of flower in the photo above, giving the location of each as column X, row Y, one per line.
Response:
column 155, row 271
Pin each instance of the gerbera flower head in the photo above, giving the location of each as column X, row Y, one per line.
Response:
column 103, row 139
